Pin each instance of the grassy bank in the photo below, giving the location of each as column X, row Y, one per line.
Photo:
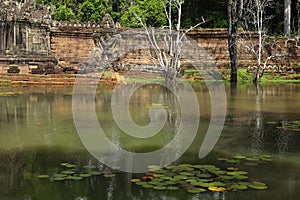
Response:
column 244, row 76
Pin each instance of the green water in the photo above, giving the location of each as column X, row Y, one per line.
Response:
column 37, row 133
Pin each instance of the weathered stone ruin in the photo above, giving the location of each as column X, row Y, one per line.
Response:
column 25, row 37
column 32, row 42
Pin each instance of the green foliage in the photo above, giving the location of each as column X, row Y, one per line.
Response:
column 93, row 11
column 129, row 20
column 152, row 12
column 64, row 14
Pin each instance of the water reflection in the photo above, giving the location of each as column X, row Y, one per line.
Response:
column 37, row 134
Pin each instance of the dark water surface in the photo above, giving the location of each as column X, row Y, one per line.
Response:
column 37, row 133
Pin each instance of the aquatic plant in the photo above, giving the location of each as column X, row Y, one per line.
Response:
column 73, row 172
column 290, row 125
column 8, row 94
column 203, row 178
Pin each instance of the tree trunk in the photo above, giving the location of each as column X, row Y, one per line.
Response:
column 233, row 54
column 257, row 74
column 234, row 15
column 287, row 18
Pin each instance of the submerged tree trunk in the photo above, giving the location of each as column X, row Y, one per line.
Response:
column 235, row 9
column 233, row 54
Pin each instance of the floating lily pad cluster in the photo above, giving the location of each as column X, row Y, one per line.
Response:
column 248, row 161
column 288, row 125
column 73, row 172
column 156, row 105
column 8, row 94
column 199, row 178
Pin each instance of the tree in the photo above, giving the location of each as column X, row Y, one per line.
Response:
column 169, row 56
column 151, row 12
column 235, row 13
column 255, row 19
column 93, row 10
column 287, row 18
column 63, row 13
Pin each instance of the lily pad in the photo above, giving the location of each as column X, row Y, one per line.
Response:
column 203, row 180
column 232, row 161
column 240, row 177
column 181, row 177
column 239, row 187
column 90, row 167
column 135, row 180
column 253, row 159
column 142, row 183
column 185, row 165
column 59, row 178
column 217, row 184
column 217, row 189
column 70, row 166
column 68, row 172
column 154, row 167
column 203, row 175
column 172, row 188
column 186, row 174
column 147, row 186
column 43, row 176
column 8, row 94
column 251, row 164
column 156, row 105
column 76, row 178
column 192, row 180
column 225, row 177
column 232, row 168
column 109, row 175
column 85, row 175
column 201, row 184
column 272, row 122
column 258, row 186
column 239, row 157
column 59, row 175
column 235, row 173
column 95, row 173
column 159, row 187
column 196, row 190
column 160, row 171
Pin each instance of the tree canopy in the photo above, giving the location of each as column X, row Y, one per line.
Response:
column 152, row 12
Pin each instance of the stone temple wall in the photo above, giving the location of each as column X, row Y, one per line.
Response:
column 24, row 35
column 72, row 45
column 32, row 42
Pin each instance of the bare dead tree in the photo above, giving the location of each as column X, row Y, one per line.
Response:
column 235, row 13
column 298, row 18
column 167, row 55
column 287, row 18
column 256, row 24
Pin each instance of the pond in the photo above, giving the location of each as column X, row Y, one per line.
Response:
column 38, row 134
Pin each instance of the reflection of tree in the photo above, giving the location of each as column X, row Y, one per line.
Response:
column 284, row 140
column 257, row 137
column 110, row 189
column 231, row 116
